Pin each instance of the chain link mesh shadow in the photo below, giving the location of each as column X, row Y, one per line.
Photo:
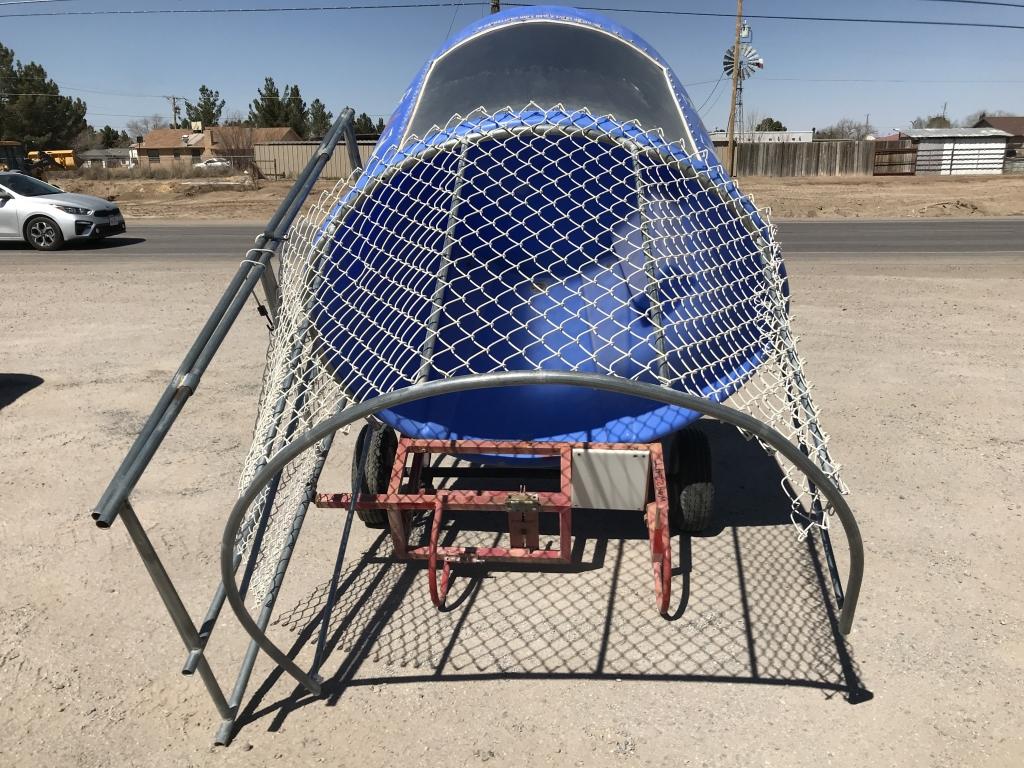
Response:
column 751, row 604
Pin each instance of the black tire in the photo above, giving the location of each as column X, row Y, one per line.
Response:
column 43, row 234
column 380, row 459
column 690, row 487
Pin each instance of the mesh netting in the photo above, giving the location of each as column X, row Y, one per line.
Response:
column 541, row 240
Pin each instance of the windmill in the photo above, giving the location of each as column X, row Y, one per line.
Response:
column 739, row 62
column 740, row 67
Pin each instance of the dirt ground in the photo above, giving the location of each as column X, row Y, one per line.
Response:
column 800, row 198
column 917, row 370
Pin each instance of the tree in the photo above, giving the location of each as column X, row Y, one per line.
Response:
column 207, row 110
column 296, row 115
column 975, row 117
column 320, row 120
column 235, row 141
column 363, row 125
column 143, row 125
column 32, row 110
column 109, row 137
column 845, row 129
column 769, row 124
column 932, row 121
column 267, row 110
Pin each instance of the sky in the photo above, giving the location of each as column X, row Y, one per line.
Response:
column 123, row 66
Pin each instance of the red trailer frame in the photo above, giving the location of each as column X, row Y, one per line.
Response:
column 407, row 494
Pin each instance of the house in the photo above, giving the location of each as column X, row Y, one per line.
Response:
column 170, row 146
column 958, row 151
column 115, row 157
column 1014, row 145
column 167, row 146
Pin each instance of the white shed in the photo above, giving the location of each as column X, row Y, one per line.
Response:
column 958, row 151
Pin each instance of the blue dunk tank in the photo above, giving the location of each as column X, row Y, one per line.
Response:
column 597, row 235
column 544, row 198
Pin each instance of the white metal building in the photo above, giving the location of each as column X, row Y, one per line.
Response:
column 958, row 151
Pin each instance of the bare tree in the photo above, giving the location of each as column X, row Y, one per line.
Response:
column 235, row 142
column 143, row 125
column 846, row 128
column 975, row 117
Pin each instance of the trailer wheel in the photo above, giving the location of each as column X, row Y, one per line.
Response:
column 691, row 491
column 380, row 459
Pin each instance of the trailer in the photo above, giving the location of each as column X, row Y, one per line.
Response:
column 542, row 276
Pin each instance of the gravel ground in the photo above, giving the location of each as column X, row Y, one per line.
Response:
column 917, row 368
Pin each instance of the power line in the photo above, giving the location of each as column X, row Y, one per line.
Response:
column 1001, row 4
column 32, row 2
column 776, row 17
column 869, row 80
column 605, row 9
column 279, row 9
column 712, row 93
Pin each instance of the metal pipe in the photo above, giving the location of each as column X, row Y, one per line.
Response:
column 189, row 373
column 227, row 727
column 651, row 286
column 352, row 147
column 218, row 596
column 207, row 627
column 123, row 484
column 332, row 592
column 441, row 285
column 600, row 382
column 172, row 601
column 172, row 387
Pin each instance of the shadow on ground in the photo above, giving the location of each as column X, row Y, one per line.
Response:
column 14, row 385
column 76, row 245
column 751, row 604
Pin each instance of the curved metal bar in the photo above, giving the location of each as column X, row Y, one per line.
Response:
column 514, row 379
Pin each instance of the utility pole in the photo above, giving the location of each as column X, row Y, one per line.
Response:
column 174, row 110
column 495, row 6
column 735, row 85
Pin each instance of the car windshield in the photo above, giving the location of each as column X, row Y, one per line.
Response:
column 27, row 186
column 547, row 64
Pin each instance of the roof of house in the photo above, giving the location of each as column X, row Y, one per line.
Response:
column 114, row 153
column 172, row 138
column 261, row 135
column 1014, row 125
column 176, row 138
column 954, row 133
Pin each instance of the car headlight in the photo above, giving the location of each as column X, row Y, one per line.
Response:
column 73, row 210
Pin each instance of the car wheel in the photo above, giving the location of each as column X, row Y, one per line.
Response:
column 43, row 234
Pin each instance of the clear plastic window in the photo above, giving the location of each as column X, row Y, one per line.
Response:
column 549, row 64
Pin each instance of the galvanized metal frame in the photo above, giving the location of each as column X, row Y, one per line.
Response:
column 255, row 267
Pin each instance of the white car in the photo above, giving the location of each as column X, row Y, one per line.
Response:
column 46, row 216
column 213, row 163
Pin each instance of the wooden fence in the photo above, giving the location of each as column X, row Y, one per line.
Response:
column 285, row 159
column 812, row 158
column 895, row 158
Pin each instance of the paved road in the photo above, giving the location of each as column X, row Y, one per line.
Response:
column 966, row 239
